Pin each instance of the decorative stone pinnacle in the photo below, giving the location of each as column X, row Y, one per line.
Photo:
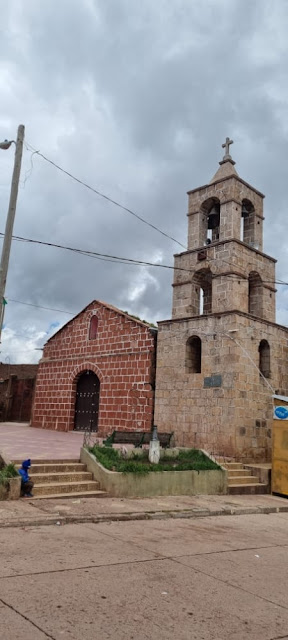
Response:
column 227, row 157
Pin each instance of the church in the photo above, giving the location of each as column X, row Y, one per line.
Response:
column 221, row 356
column 219, row 359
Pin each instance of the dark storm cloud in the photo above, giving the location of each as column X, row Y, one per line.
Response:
column 135, row 100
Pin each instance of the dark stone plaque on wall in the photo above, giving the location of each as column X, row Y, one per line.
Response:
column 213, row 381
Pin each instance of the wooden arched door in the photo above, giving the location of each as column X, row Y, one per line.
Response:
column 87, row 402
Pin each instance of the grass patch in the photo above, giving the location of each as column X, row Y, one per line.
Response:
column 186, row 460
column 9, row 471
column 111, row 459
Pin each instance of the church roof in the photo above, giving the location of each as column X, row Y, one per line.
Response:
column 226, row 170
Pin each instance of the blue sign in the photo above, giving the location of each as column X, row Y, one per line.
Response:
column 281, row 413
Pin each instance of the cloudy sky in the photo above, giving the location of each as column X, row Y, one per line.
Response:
column 135, row 99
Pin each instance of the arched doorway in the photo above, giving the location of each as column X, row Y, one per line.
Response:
column 87, row 402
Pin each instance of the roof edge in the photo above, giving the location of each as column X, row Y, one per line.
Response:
column 110, row 307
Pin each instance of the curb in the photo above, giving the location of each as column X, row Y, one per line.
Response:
column 148, row 515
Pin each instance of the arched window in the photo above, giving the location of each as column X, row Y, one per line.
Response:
column 264, row 358
column 255, row 305
column 247, row 226
column 210, row 220
column 93, row 328
column 201, row 302
column 193, row 355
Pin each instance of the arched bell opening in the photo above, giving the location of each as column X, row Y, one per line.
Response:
column 202, row 292
column 255, row 293
column 210, row 210
column 247, row 222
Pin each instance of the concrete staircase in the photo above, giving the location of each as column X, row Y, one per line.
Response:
column 240, row 480
column 62, row 479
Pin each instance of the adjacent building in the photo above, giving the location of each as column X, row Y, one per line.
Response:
column 17, row 382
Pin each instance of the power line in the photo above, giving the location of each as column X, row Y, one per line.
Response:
column 99, row 256
column 120, row 260
column 103, row 195
column 38, row 306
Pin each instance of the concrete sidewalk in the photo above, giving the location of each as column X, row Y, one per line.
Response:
column 27, row 512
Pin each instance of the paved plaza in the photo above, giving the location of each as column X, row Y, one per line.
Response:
column 19, row 441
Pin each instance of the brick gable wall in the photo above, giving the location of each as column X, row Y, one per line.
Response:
column 123, row 358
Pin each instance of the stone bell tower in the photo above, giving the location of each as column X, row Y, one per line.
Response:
column 221, row 356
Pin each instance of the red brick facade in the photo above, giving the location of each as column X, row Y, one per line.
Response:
column 122, row 356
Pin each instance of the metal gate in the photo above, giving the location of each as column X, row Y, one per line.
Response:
column 87, row 402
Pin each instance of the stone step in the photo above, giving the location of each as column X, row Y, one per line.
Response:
column 47, row 478
column 243, row 480
column 248, row 489
column 48, row 461
column 57, row 468
column 232, row 465
column 57, row 488
column 54, row 468
column 80, row 494
column 238, row 472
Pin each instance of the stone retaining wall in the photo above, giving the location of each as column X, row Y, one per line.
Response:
column 158, row 483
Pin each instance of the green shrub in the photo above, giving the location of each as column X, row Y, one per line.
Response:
column 9, row 471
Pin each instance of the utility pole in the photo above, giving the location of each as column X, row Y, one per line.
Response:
column 10, row 217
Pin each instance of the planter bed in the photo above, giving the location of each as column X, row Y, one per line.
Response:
column 169, row 478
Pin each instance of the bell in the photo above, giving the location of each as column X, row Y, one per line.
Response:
column 213, row 221
column 245, row 212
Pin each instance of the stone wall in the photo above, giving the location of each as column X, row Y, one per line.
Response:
column 229, row 264
column 22, row 371
column 227, row 408
column 122, row 356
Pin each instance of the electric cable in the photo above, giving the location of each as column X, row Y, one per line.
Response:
column 103, row 195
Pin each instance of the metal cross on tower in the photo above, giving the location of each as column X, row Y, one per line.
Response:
column 226, row 146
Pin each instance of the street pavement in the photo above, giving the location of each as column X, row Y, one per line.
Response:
column 198, row 578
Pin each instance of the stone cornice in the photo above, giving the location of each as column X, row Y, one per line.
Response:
column 222, row 242
column 223, row 314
